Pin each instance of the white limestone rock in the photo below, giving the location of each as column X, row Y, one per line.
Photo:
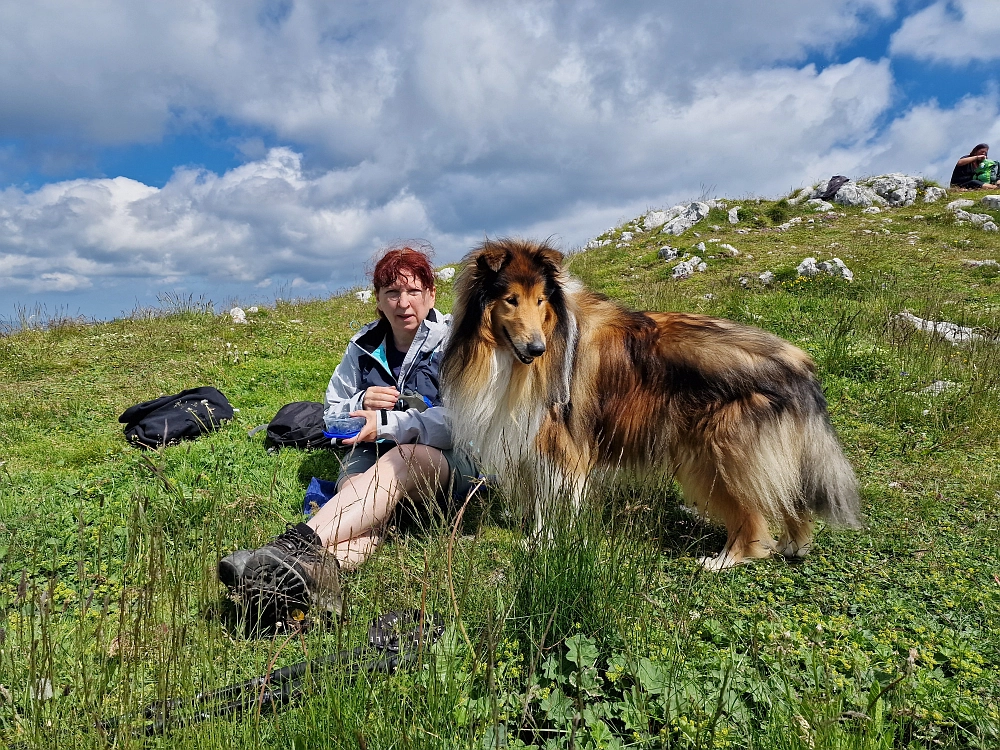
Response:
column 989, row 226
column 853, row 194
column 693, row 213
column 979, row 263
column 597, row 243
column 238, row 315
column 626, row 237
column 933, row 194
column 731, row 251
column 836, row 267
column 818, row 189
column 669, row 253
column 807, row 267
column 833, row 267
column 939, row 386
column 655, row 219
column 871, row 210
column 979, row 220
column 686, row 268
column 734, row 215
column 960, row 203
column 445, row 274
column 364, row 295
column 800, row 196
column 951, row 332
column 896, row 189
column 766, row 278
column 991, row 201
column 820, row 205
column 789, row 224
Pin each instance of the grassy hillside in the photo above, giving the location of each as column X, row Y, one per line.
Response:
column 608, row 637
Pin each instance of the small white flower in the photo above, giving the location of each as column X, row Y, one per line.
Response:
column 42, row 690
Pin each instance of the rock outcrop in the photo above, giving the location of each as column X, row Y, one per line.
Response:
column 833, row 267
column 894, row 189
column 691, row 215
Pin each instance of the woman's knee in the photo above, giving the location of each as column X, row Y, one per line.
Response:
column 416, row 452
column 422, row 459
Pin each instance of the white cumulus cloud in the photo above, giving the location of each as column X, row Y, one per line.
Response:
column 265, row 218
column 955, row 32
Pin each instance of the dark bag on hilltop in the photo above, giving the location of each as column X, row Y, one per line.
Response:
column 297, row 425
column 836, row 183
column 169, row 419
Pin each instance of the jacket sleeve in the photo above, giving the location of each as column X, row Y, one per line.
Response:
column 345, row 393
column 429, row 427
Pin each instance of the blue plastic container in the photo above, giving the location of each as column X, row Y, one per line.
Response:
column 318, row 493
column 347, row 427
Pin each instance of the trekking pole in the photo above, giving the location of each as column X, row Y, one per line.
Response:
column 400, row 635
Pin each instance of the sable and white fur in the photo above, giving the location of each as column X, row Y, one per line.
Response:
column 546, row 379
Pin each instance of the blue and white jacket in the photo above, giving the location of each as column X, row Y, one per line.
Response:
column 365, row 364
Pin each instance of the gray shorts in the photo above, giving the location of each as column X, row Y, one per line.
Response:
column 463, row 472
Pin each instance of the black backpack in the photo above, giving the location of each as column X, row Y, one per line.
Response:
column 297, row 425
column 836, row 183
column 170, row 419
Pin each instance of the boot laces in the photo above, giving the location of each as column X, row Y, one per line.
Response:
column 292, row 541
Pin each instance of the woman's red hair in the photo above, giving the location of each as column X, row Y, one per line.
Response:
column 403, row 261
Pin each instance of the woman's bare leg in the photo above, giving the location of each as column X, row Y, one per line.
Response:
column 364, row 501
column 353, row 552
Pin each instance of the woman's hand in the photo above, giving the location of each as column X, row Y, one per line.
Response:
column 369, row 432
column 380, row 397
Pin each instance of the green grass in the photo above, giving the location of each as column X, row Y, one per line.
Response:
column 609, row 636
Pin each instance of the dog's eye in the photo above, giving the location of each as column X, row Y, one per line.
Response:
column 512, row 301
column 541, row 300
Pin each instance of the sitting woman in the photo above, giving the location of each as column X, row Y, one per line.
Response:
column 975, row 170
column 389, row 376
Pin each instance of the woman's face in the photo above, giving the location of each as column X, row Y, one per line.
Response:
column 983, row 151
column 405, row 303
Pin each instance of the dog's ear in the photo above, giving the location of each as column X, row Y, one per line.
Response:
column 492, row 257
column 551, row 259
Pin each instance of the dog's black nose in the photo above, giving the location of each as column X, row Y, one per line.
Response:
column 536, row 348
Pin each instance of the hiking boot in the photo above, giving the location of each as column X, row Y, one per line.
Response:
column 291, row 576
column 232, row 567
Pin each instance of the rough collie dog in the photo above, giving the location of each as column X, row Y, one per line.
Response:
column 547, row 380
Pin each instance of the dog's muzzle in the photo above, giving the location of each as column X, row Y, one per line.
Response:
column 535, row 349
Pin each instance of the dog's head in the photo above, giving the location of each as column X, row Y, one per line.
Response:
column 519, row 289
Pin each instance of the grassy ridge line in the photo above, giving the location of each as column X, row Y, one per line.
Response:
column 107, row 578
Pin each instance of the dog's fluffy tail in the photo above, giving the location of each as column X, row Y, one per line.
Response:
column 829, row 486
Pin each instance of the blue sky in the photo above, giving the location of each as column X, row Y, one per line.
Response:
column 242, row 151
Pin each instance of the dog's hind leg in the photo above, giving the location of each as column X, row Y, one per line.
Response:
column 797, row 539
column 748, row 535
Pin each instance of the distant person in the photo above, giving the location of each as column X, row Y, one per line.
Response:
column 975, row 170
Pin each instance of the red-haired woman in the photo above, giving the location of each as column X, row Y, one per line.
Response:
column 389, row 376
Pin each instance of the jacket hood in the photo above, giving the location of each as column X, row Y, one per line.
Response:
column 431, row 333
